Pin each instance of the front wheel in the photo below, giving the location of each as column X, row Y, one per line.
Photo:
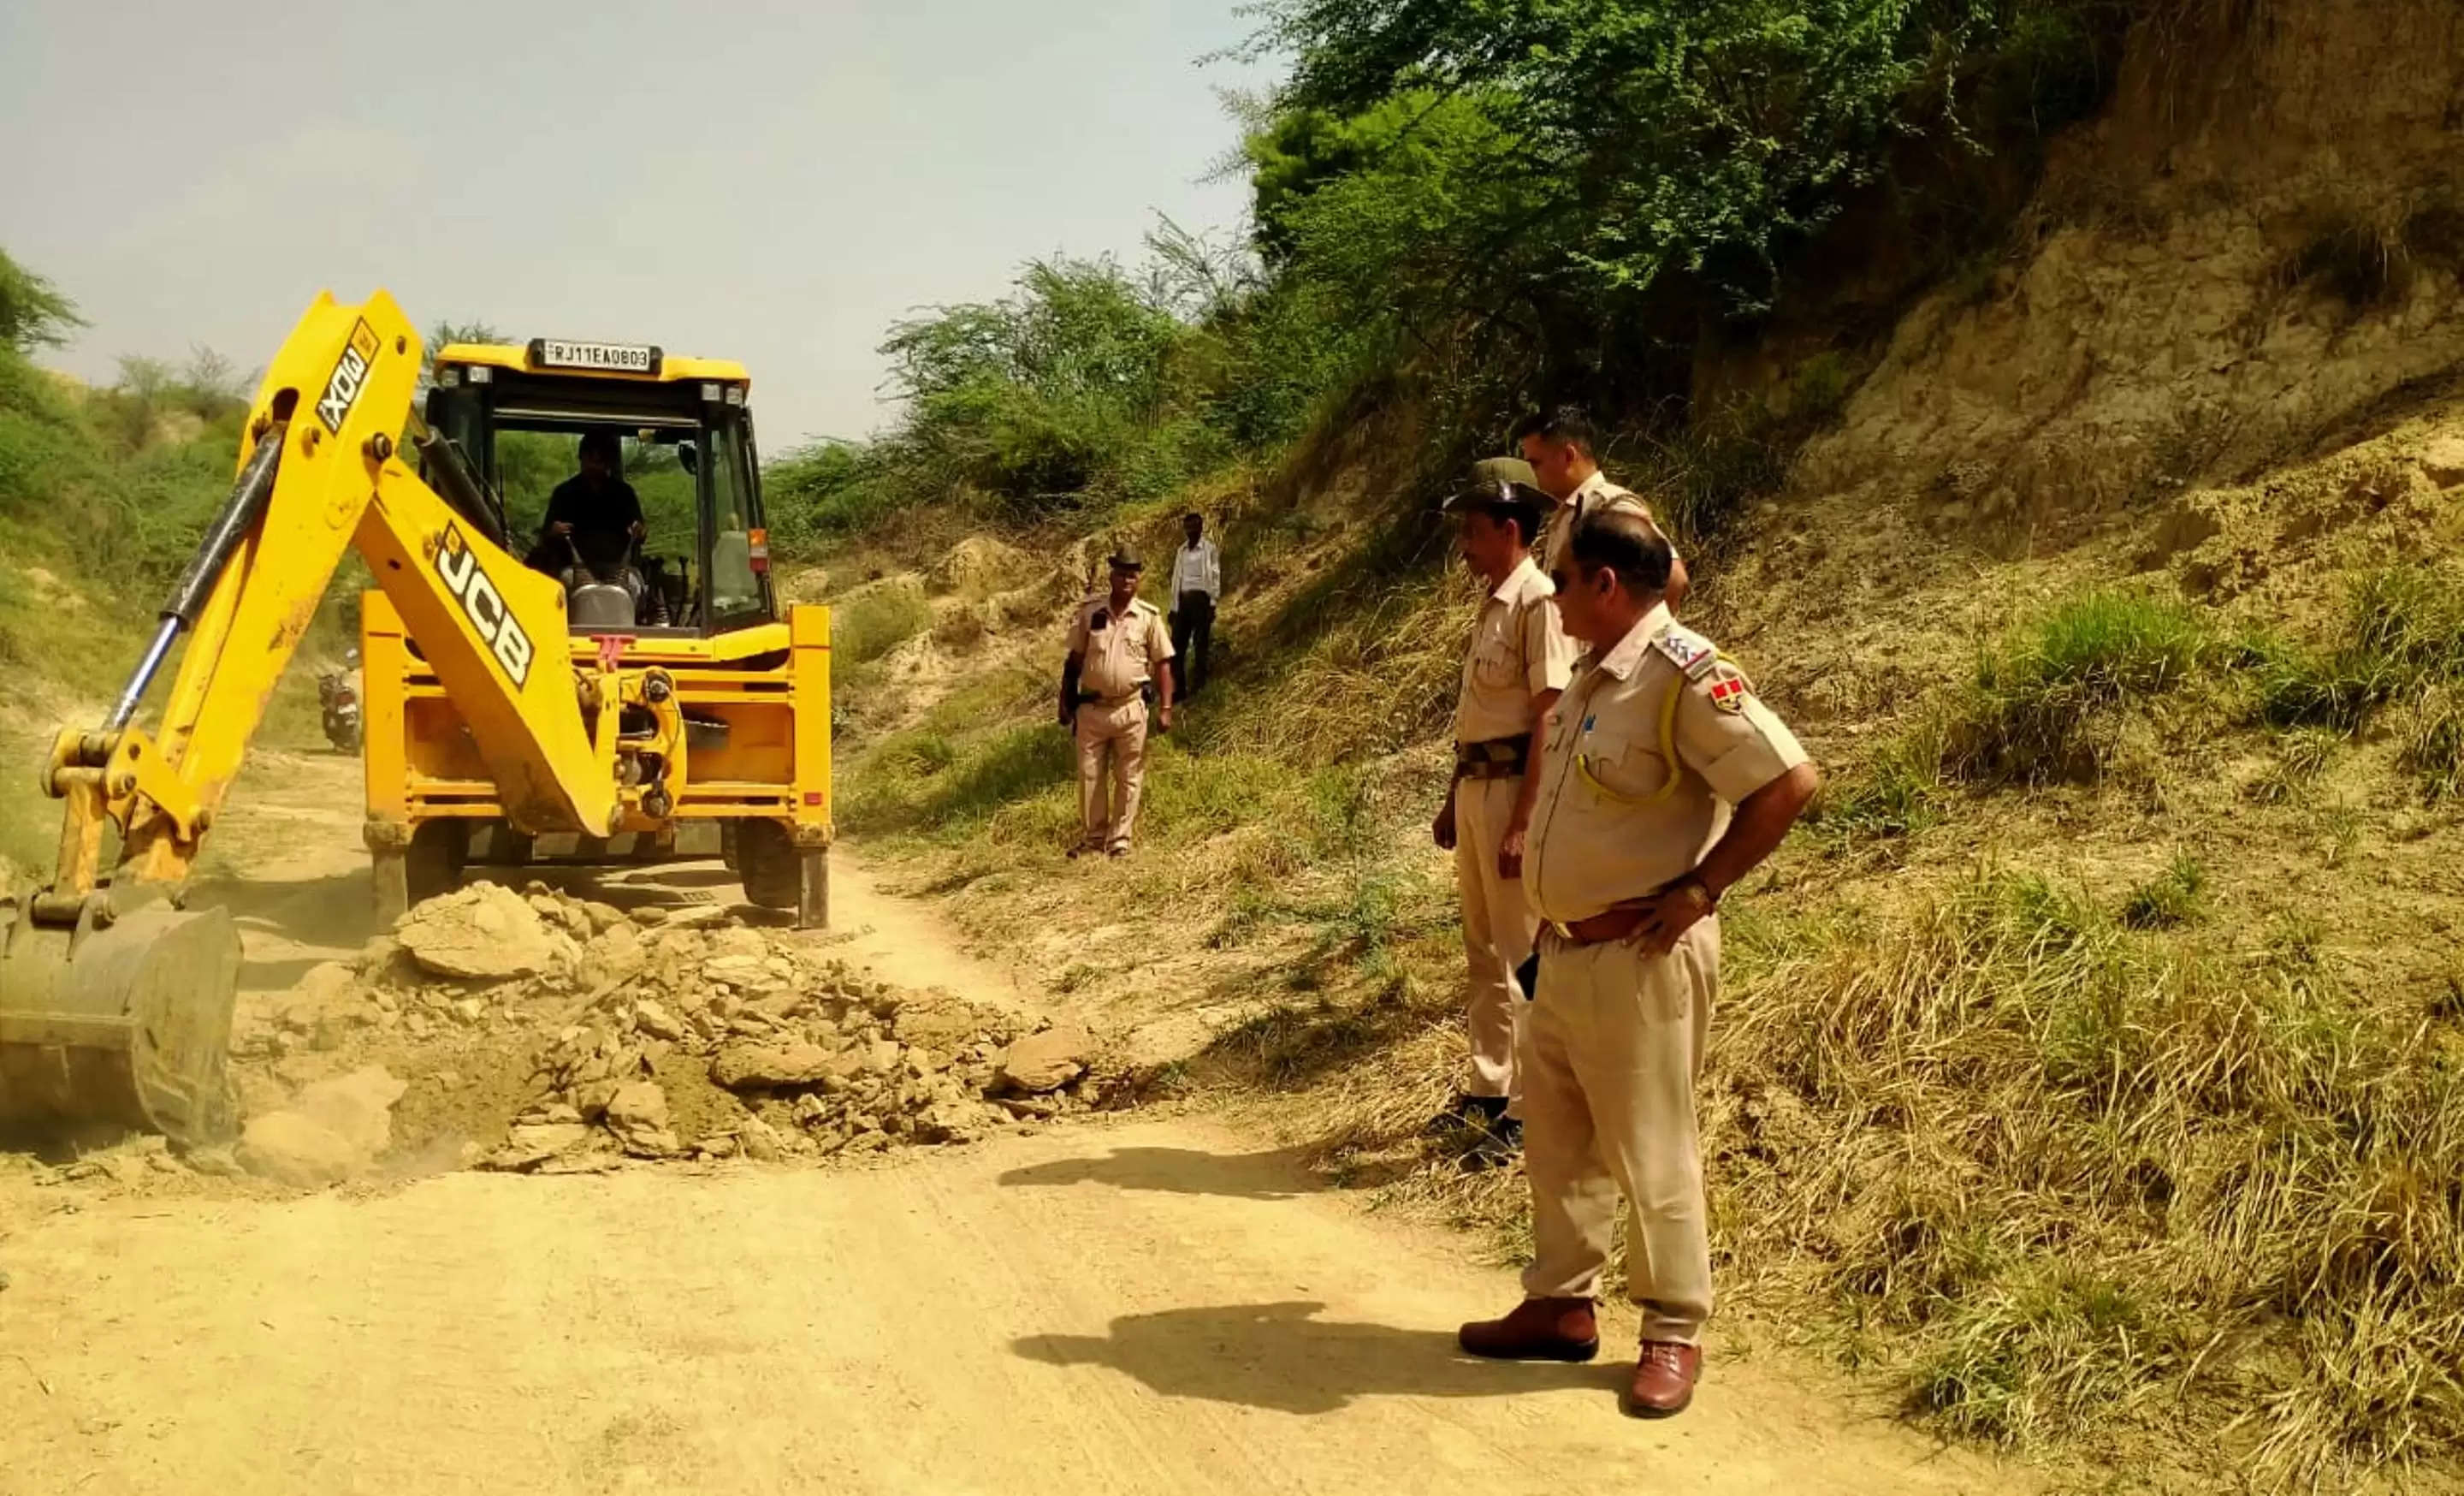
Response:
column 779, row 875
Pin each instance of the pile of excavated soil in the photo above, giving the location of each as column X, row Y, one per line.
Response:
column 539, row 1032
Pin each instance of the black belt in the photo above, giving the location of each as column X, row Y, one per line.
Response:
column 1493, row 758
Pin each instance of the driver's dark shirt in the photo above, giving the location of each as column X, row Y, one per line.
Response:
column 602, row 521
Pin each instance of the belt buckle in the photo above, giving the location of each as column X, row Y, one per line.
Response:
column 1563, row 933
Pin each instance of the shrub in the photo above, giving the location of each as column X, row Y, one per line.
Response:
column 872, row 620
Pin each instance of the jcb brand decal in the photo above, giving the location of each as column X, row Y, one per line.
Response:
column 485, row 605
column 349, row 377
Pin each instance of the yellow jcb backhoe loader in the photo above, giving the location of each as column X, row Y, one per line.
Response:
column 617, row 699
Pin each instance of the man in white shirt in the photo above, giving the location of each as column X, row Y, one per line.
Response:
column 1196, row 582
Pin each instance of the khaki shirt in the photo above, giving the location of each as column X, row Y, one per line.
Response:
column 1617, row 817
column 1120, row 655
column 1517, row 651
column 1596, row 496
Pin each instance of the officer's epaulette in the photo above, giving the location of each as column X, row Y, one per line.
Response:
column 1689, row 650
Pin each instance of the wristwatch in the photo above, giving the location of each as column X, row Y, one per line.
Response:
column 1710, row 900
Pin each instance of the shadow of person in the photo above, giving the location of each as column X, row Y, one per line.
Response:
column 1281, row 1356
column 1275, row 1175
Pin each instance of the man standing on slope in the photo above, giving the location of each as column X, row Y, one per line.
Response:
column 1118, row 648
column 1561, row 446
column 1196, row 582
column 1517, row 662
column 1663, row 782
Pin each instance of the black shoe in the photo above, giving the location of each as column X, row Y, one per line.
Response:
column 1497, row 1144
column 1466, row 1113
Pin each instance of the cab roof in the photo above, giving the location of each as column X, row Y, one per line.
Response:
column 527, row 359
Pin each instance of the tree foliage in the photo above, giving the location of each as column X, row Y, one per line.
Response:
column 1090, row 384
column 1581, row 186
column 32, row 312
column 1515, row 198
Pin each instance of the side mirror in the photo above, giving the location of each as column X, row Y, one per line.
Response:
column 688, row 458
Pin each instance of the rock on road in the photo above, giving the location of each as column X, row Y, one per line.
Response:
column 1151, row 1306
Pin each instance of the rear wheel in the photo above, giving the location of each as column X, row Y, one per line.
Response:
column 433, row 865
column 779, row 875
column 766, row 861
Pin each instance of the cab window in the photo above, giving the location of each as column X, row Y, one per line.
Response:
column 735, row 585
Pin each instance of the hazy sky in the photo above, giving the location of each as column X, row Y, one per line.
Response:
column 771, row 183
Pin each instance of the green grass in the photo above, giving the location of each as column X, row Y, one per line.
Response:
column 2171, row 898
column 1896, row 793
column 2046, row 701
column 2403, row 630
column 2433, row 747
column 2399, row 648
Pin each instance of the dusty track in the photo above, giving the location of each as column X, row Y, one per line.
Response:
column 1159, row 1305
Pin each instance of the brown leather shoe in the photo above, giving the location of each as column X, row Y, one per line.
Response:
column 1538, row 1330
column 1663, row 1379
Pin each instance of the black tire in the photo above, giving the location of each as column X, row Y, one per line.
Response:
column 439, row 850
column 767, row 860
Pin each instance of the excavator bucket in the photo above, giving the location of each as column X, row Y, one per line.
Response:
column 124, row 1024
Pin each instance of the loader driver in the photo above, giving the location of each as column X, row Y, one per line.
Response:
column 593, row 518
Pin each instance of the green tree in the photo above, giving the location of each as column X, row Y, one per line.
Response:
column 1586, row 167
column 32, row 312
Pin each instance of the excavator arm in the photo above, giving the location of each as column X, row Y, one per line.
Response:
column 115, row 1004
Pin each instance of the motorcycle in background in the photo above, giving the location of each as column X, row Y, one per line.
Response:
column 338, row 692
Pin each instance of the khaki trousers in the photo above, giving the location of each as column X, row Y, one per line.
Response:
column 1118, row 733
column 1498, row 931
column 1609, row 1054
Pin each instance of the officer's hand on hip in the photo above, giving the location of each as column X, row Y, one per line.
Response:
column 1669, row 914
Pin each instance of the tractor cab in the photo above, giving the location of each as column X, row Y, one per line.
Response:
column 630, row 476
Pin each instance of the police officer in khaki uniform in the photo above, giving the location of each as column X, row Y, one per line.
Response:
column 1561, row 445
column 1517, row 662
column 1118, row 645
column 1663, row 782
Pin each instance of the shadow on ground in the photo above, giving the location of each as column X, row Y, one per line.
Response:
column 1281, row 1356
column 1279, row 1174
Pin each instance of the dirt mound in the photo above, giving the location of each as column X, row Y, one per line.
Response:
column 2262, row 236
column 980, row 568
column 537, row 1031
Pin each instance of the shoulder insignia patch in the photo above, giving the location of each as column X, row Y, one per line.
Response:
column 1729, row 691
column 1690, row 653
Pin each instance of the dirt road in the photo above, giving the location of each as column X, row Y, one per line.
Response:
column 1155, row 1306
column 1158, row 1307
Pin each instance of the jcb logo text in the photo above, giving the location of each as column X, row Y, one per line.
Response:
column 484, row 605
column 349, row 377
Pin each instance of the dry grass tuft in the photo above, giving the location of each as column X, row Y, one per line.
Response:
column 2083, row 1174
